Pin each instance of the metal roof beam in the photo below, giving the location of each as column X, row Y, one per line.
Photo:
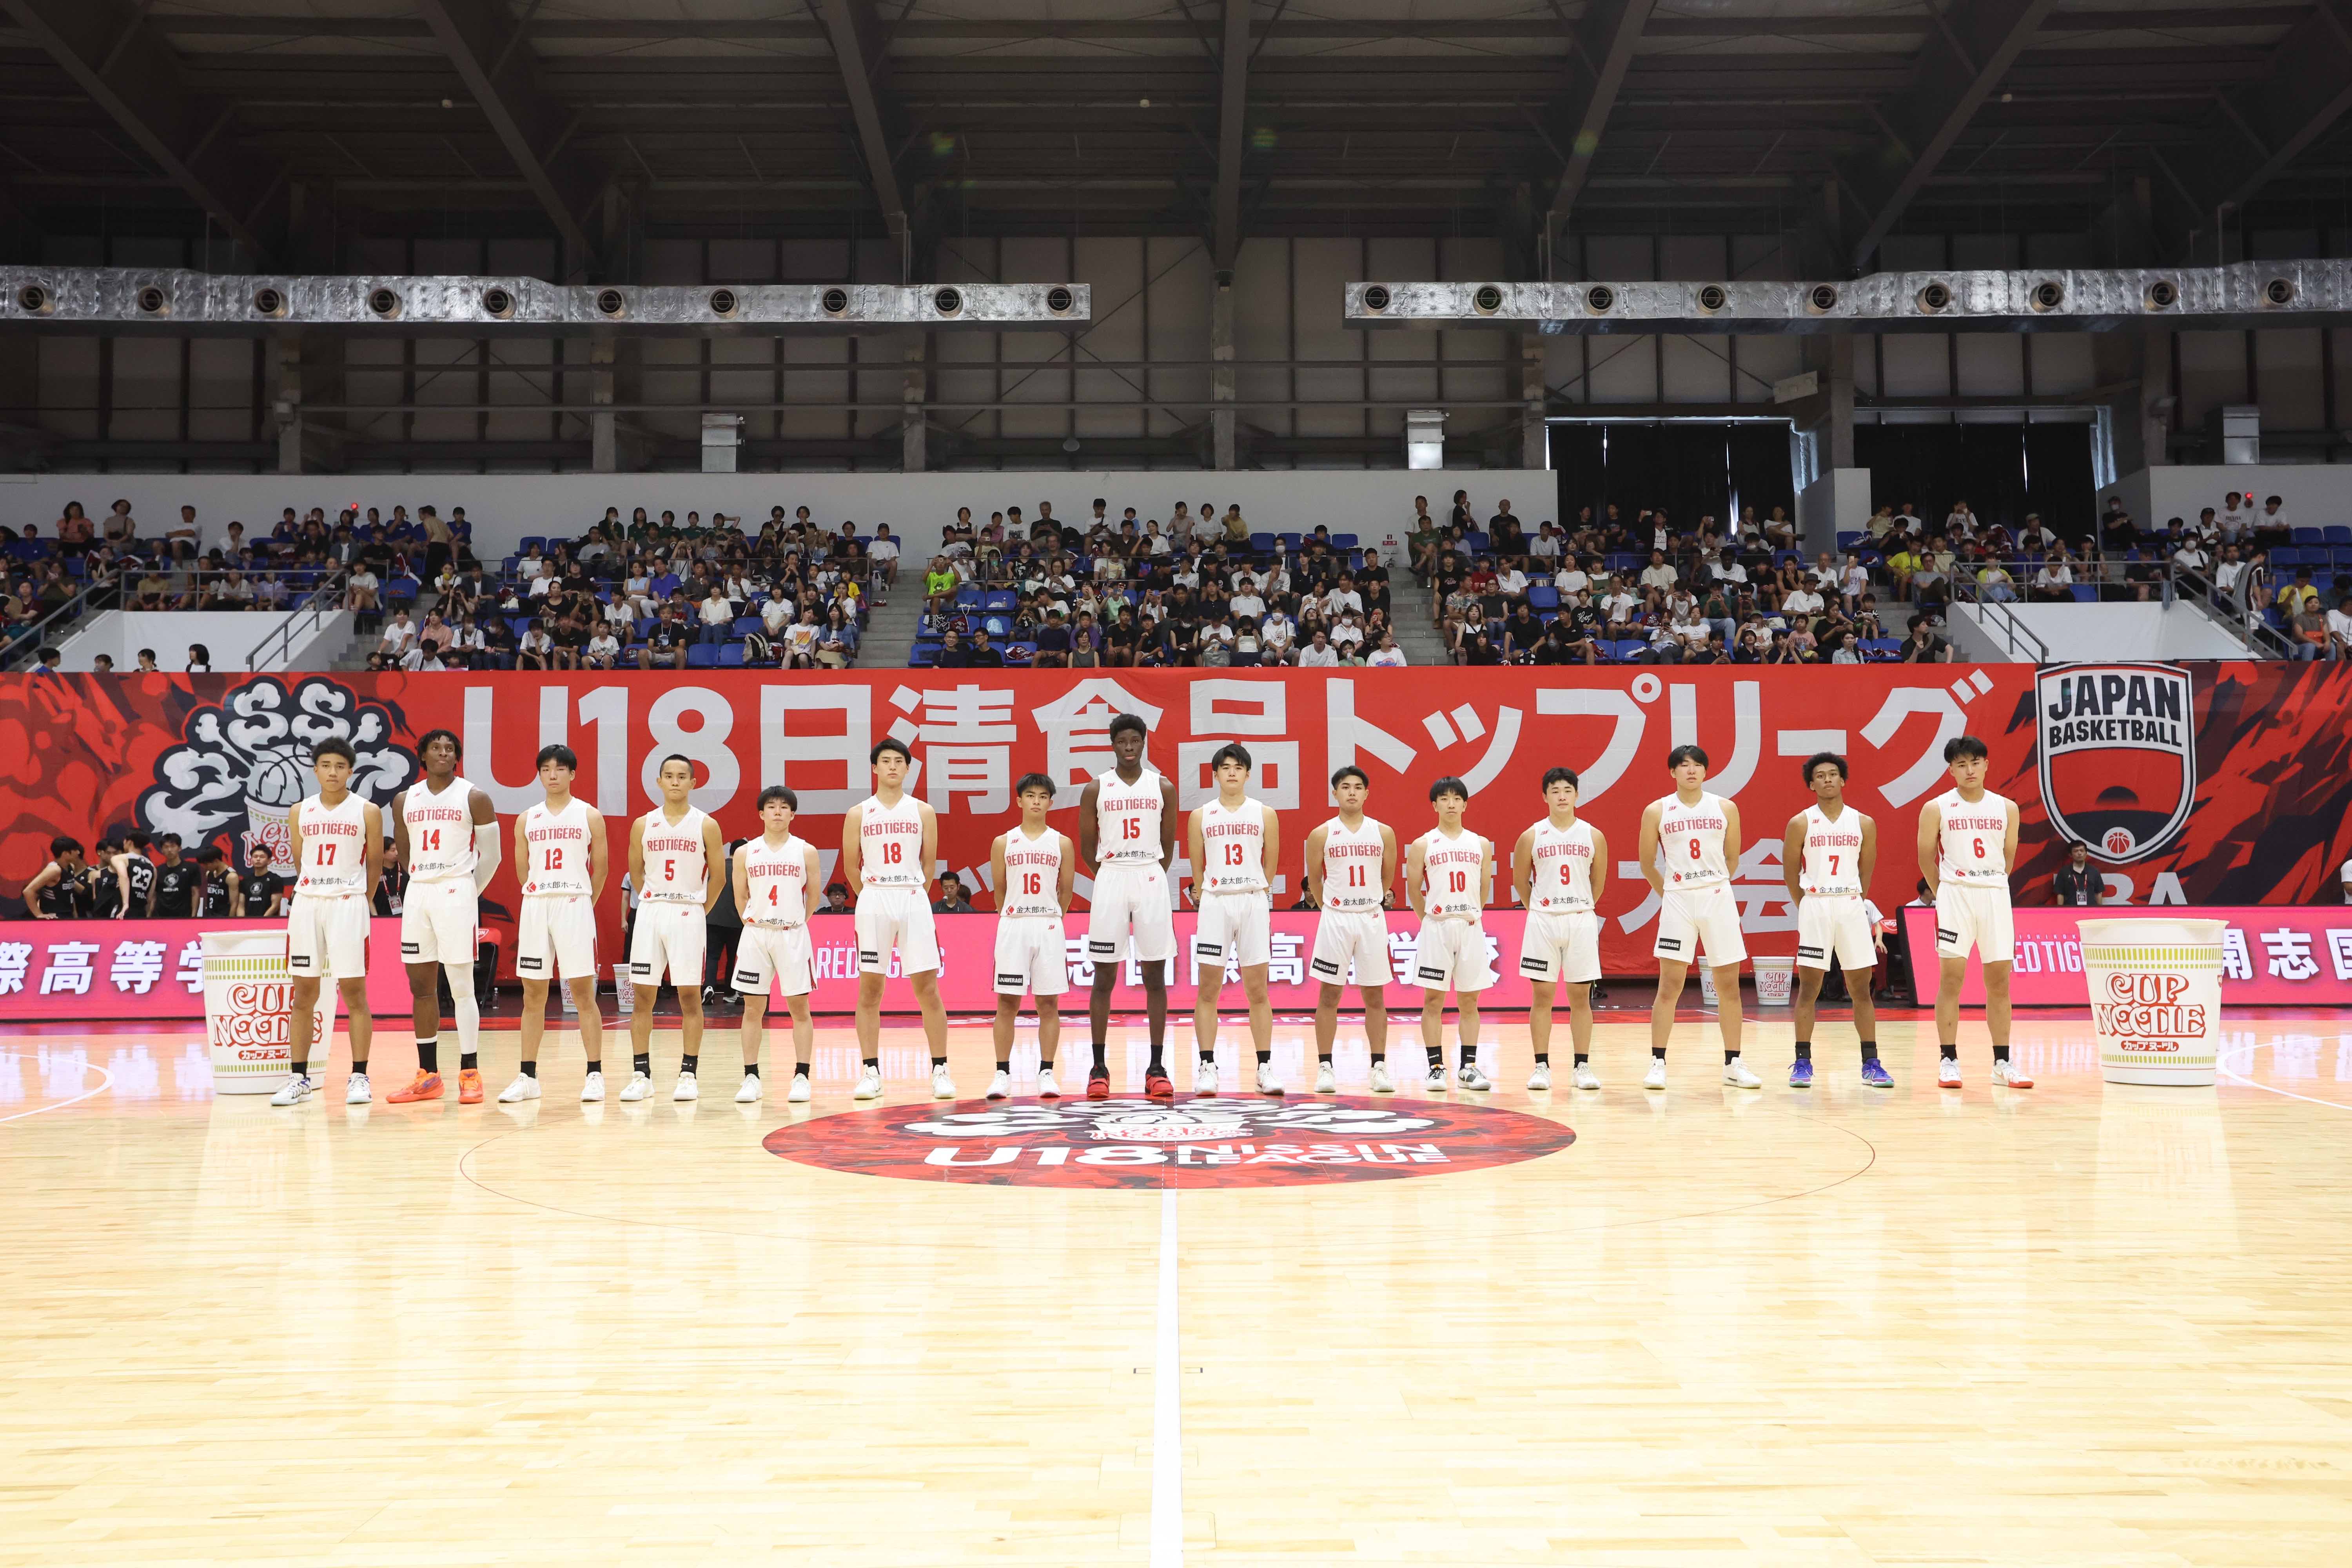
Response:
column 114, row 55
column 1601, row 51
column 858, row 49
column 2259, row 129
column 1966, row 54
column 1232, row 118
column 499, row 72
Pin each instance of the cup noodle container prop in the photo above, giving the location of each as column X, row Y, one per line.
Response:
column 2156, row 998
column 1775, row 978
column 249, row 1010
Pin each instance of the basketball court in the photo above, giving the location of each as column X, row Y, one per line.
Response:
column 2080, row 1323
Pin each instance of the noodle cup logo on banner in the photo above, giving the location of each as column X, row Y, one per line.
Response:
column 2117, row 756
column 2147, row 1011
column 1143, row 1144
column 247, row 760
column 258, row 1024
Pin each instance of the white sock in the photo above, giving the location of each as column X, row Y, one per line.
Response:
column 469, row 1012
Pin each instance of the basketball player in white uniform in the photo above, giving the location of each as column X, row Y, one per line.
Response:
column 1559, row 868
column 888, row 843
column 1234, row 840
column 776, row 890
column 1032, row 867
column 1690, row 841
column 1127, row 832
column 1827, row 855
column 339, row 858
column 560, row 862
column 1449, row 875
column 445, row 837
column 1351, row 863
column 1968, row 842
column 672, row 851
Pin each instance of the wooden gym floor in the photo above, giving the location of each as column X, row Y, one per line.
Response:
column 2065, row 1326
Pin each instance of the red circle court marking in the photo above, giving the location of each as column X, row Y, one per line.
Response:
column 1142, row 1143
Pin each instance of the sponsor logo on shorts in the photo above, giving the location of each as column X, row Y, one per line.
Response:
column 747, row 977
column 531, row 965
column 1943, row 935
column 1101, row 948
column 1210, row 949
column 1004, row 980
column 410, row 948
column 1324, row 967
column 641, row 970
column 1670, row 943
column 1538, row 967
column 1140, row 1143
column 869, row 956
column 1804, row 952
column 1428, row 976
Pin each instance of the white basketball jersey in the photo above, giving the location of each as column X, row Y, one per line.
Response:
column 1232, row 842
column 1032, row 874
column 890, row 852
column 1690, row 841
column 1974, row 839
column 558, row 844
column 1451, row 874
column 1832, row 853
column 1351, row 867
column 678, row 871
column 440, row 832
column 776, row 880
column 1561, row 876
column 335, row 848
column 1126, row 819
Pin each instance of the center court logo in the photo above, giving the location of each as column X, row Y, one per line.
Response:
column 1143, row 1144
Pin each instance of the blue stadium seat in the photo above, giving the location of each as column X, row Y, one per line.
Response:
column 746, row 624
column 1543, row 598
column 729, row 656
column 530, row 541
column 997, row 626
column 2085, row 592
column 2338, row 533
column 702, row 656
column 1289, row 541
column 2286, row 555
column 1343, row 542
column 968, row 597
column 2308, row 536
column 1848, row 538
column 1479, row 544
column 645, row 627
column 924, row 657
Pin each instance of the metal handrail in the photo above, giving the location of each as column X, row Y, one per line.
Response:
column 322, row 600
column 37, row 636
column 2202, row 594
column 1996, row 615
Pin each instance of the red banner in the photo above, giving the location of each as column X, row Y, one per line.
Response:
column 146, row 969
column 2263, row 752
column 2271, row 955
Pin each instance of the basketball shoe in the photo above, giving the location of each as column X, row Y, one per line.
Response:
column 1656, row 1077
column 1736, row 1074
column 1541, row 1077
column 2009, row 1074
column 1326, row 1080
column 799, row 1093
column 424, row 1086
column 869, row 1085
column 1001, row 1085
column 294, row 1091
column 1381, row 1082
column 1046, row 1087
column 524, row 1087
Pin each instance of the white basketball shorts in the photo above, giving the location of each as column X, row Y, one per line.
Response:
column 1561, row 945
column 1352, row 948
column 1453, row 953
column 1692, row 921
column 1130, row 898
column 772, row 958
column 1234, row 927
column 1968, row 917
column 437, row 921
column 327, row 938
column 556, row 938
column 670, row 939
column 896, row 920
column 1832, row 925
column 1032, row 956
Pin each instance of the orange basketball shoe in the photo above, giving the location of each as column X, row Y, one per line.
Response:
column 470, row 1086
column 426, row 1086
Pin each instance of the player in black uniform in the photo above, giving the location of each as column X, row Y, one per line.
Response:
column 105, row 878
column 135, row 877
column 216, row 895
column 175, row 883
column 263, row 887
column 58, row 891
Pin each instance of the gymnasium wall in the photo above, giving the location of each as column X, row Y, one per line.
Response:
column 2217, row 784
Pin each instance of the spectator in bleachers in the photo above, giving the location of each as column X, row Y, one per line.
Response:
column 604, row 649
column 1658, row 575
column 984, row 654
column 2307, row 632
column 1994, row 585
column 1923, row 645
column 837, row 640
column 667, row 640
column 1318, row 653
column 717, row 619
column 1521, row 633
column 200, row 659
column 468, row 649
column 2339, row 628
column 2271, row 523
column 952, row 654
column 399, row 635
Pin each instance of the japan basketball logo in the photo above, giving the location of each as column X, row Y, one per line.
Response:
column 248, row 758
column 1209, row 1142
column 2118, row 755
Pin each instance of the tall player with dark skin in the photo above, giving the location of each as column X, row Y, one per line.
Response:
column 1127, row 746
column 440, row 760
